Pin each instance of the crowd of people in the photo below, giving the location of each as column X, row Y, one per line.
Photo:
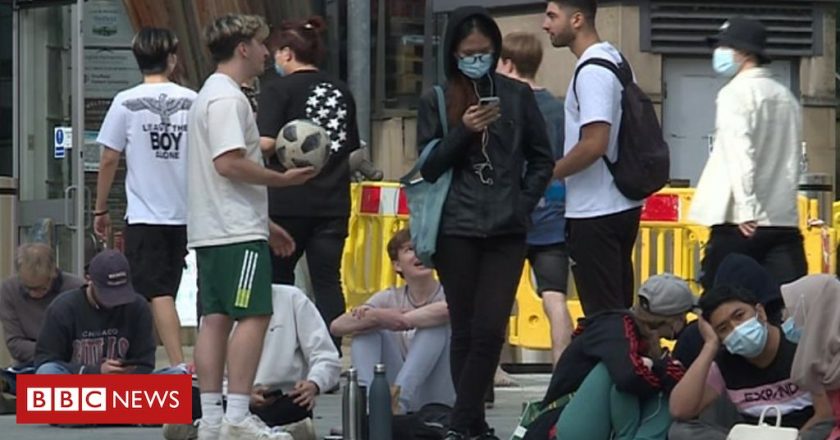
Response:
column 531, row 180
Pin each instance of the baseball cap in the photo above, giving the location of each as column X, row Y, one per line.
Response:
column 666, row 295
column 111, row 275
column 743, row 34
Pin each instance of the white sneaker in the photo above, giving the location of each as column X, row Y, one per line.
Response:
column 251, row 428
column 300, row 430
column 208, row 431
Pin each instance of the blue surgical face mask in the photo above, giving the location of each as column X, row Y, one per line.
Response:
column 792, row 332
column 475, row 66
column 279, row 69
column 748, row 339
column 723, row 61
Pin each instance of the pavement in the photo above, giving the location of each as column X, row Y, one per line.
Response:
column 503, row 417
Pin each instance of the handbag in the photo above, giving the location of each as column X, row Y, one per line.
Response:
column 763, row 431
column 425, row 199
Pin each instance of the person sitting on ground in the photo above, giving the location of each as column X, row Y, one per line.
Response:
column 753, row 372
column 815, row 321
column 104, row 327
column 407, row 329
column 741, row 271
column 299, row 361
column 617, row 367
column 24, row 299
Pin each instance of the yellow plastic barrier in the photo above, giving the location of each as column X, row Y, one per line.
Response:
column 666, row 243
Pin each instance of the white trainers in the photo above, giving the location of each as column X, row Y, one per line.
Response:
column 208, row 431
column 300, row 430
column 251, row 428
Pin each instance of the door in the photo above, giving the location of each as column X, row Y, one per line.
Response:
column 691, row 87
column 48, row 95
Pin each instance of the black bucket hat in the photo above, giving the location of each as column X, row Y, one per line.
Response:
column 743, row 34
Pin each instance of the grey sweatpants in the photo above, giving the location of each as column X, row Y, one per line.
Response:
column 715, row 422
column 422, row 375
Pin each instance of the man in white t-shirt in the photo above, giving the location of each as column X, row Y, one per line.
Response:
column 229, row 229
column 601, row 223
column 407, row 329
column 149, row 123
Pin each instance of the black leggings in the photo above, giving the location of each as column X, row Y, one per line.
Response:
column 323, row 241
column 480, row 277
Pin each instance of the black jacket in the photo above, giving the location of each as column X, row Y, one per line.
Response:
column 518, row 148
column 612, row 338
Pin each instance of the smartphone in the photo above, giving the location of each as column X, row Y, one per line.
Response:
column 488, row 100
column 273, row 393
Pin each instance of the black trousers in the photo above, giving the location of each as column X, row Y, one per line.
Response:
column 323, row 241
column 601, row 252
column 480, row 277
column 779, row 249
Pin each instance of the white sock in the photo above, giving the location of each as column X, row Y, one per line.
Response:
column 211, row 408
column 237, row 407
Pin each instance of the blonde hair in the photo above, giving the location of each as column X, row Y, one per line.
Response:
column 525, row 51
column 36, row 259
column 226, row 32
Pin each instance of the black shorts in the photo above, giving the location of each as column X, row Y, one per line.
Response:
column 156, row 256
column 551, row 267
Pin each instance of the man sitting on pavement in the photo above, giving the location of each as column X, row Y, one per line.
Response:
column 753, row 372
column 619, row 371
column 104, row 327
column 23, row 304
column 407, row 329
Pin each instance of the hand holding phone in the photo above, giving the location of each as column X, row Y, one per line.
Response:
column 489, row 100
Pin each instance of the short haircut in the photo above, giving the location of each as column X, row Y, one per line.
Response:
column 525, row 51
column 152, row 47
column 589, row 8
column 712, row 299
column 36, row 259
column 226, row 32
column 303, row 37
column 396, row 243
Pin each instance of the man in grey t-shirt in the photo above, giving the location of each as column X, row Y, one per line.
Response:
column 407, row 329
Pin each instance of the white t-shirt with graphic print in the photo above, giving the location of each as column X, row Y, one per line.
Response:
column 592, row 191
column 149, row 123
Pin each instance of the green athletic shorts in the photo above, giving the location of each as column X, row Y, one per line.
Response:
column 235, row 279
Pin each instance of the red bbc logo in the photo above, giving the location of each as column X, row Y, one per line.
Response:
column 104, row 399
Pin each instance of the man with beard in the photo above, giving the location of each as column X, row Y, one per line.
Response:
column 602, row 222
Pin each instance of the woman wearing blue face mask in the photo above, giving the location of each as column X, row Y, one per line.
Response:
column 315, row 214
column 749, row 361
column 481, row 241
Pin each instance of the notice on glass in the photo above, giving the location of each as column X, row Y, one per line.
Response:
column 108, row 71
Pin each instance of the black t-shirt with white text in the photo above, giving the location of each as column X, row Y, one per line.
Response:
column 752, row 389
column 315, row 96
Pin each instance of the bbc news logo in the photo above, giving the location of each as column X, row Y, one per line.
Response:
column 104, row 399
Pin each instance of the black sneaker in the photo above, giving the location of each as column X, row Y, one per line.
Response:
column 453, row 435
column 490, row 434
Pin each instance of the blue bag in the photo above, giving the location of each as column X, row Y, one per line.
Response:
column 425, row 199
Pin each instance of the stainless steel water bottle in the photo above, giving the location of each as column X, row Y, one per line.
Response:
column 380, row 405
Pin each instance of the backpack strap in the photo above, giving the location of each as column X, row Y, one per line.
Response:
column 621, row 71
column 427, row 150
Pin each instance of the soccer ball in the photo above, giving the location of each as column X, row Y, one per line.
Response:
column 302, row 143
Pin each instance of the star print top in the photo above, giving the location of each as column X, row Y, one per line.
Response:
column 315, row 96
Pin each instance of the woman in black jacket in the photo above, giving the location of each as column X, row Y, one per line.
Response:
column 501, row 163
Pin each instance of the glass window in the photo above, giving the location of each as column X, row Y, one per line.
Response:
column 404, row 52
column 6, row 161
